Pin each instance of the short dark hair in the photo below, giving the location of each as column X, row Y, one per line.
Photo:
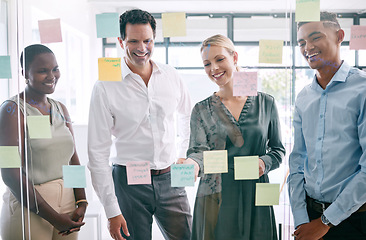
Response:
column 31, row 52
column 329, row 19
column 136, row 16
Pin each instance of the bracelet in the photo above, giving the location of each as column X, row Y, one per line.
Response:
column 82, row 201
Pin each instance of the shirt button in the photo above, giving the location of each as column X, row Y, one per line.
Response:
column 321, row 115
column 318, row 161
column 319, row 139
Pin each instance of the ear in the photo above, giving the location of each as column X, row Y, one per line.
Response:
column 25, row 74
column 235, row 57
column 340, row 35
column 121, row 42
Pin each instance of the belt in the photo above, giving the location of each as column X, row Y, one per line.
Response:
column 159, row 172
column 320, row 206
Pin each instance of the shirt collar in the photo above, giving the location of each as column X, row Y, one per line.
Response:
column 127, row 71
column 339, row 76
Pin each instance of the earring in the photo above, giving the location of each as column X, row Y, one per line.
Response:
column 26, row 81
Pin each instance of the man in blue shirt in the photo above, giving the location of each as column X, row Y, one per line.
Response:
column 327, row 181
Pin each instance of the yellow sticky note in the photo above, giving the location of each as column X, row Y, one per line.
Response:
column 267, row 194
column 246, row 167
column 109, row 69
column 307, row 10
column 270, row 51
column 174, row 24
column 39, row 127
column 9, row 157
column 215, row 161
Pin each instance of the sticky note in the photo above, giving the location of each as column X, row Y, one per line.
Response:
column 50, row 30
column 138, row 172
column 246, row 167
column 109, row 69
column 307, row 10
column 358, row 37
column 107, row 25
column 174, row 24
column 267, row 194
column 39, row 127
column 74, row 176
column 5, row 67
column 270, row 51
column 9, row 157
column 215, row 161
column 245, row 84
column 182, row 175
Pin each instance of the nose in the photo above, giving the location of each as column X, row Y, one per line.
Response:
column 214, row 67
column 51, row 75
column 308, row 47
column 141, row 47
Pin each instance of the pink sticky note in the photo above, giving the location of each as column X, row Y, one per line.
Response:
column 245, row 84
column 358, row 37
column 138, row 173
column 50, row 30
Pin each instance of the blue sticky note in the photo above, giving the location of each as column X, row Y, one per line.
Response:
column 107, row 25
column 5, row 69
column 182, row 175
column 74, row 176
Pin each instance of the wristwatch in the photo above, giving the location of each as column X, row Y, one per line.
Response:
column 325, row 221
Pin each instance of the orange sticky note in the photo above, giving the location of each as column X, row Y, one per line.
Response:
column 174, row 24
column 270, row 51
column 358, row 37
column 50, row 30
column 109, row 69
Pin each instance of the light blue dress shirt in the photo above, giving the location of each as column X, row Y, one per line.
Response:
column 328, row 161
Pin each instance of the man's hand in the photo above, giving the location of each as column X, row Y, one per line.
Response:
column 115, row 224
column 262, row 167
column 313, row 230
column 190, row 161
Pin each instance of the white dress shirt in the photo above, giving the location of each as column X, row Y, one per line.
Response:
column 142, row 121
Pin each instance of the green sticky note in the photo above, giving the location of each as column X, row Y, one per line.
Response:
column 270, row 51
column 74, row 176
column 107, row 25
column 39, row 127
column 182, row 175
column 215, row 161
column 307, row 10
column 5, row 69
column 174, row 24
column 9, row 157
column 246, row 167
column 267, row 194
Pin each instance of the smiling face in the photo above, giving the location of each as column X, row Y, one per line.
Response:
column 219, row 64
column 138, row 45
column 43, row 73
column 320, row 45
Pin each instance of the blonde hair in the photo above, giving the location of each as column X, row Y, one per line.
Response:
column 220, row 41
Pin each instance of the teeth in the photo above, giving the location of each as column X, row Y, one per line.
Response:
column 49, row 84
column 140, row 55
column 218, row 75
column 312, row 55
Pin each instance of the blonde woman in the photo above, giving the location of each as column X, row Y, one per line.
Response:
column 244, row 126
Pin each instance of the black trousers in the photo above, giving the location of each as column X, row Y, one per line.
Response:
column 352, row 228
column 139, row 203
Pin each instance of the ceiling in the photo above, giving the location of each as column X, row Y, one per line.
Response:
column 223, row 6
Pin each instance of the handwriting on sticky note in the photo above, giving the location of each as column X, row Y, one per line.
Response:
column 174, row 24
column 109, row 69
column 50, row 30
column 107, row 25
column 9, row 157
column 138, row 172
column 358, row 37
column 246, row 167
column 245, row 84
column 215, row 161
column 5, row 67
column 270, row 51
column 182, row 175
column 39, row 127
column 307, row 10
column 267, row 194
column 74, row 176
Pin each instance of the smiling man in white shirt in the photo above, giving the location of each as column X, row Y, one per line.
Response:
column 139, row 112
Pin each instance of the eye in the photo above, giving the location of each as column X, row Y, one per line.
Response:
column 220, row 59
column 316, row 38
column 206, row 64
column 56, row 69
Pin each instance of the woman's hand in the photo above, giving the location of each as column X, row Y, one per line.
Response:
column 262, row 167
column 66, row 225
column 190, row 161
